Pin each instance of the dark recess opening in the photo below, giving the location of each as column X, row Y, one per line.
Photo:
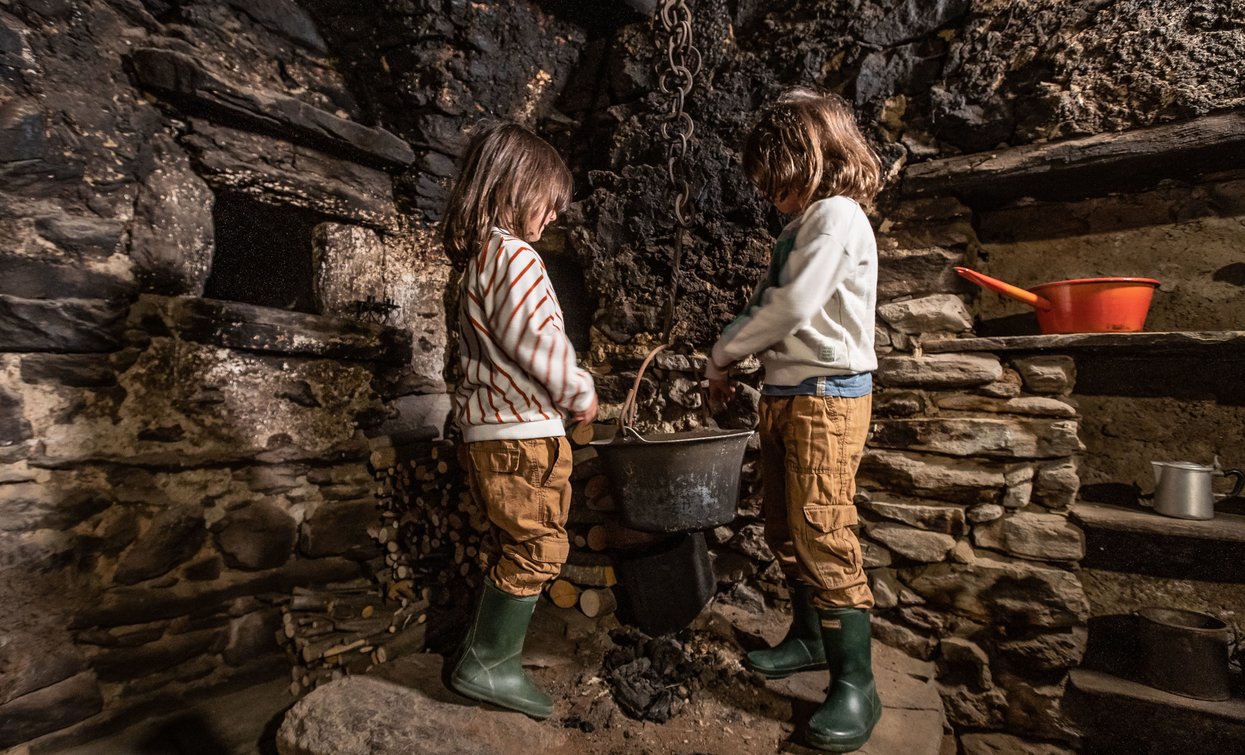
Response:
column 263, row 253
column 578, row 307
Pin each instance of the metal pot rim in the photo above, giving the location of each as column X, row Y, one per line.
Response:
column 1166, row 617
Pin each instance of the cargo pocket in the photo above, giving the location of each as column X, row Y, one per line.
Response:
column 827, row 518
column 837, row 557
column 550, row 548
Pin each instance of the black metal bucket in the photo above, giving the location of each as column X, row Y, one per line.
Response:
column 666, row 586
column 1184, row 652
column 675, row 482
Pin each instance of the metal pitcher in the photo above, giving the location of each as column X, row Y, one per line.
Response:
column 1182, row 488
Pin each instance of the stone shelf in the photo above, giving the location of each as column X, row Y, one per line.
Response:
column 1085, row 167
column 1135, row 540
column 1164, row 343
column 248, row 327
column 1227, row 528
column 1125, row 716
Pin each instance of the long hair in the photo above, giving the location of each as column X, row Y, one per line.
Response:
column 807, row 144
column 509, row 176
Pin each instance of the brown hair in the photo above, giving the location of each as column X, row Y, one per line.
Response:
column 808, row 144
column 508, row 175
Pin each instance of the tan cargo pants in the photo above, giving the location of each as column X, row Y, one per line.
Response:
column 811, row 447
column 525, row 488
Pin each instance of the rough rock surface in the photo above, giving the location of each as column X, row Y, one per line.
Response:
column 368, row 716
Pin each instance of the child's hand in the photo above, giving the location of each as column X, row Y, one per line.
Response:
column 720, row 391
column 587, row 416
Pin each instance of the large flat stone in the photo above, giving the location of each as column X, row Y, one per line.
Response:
column 367, row 716
column 930, row 476
column 912, row 543
column 1002, row 592
column 262, row 329
column 79, row 325
column 49, row 709
column 278, row 172
column 939, row 370
column 998, row 437
column 1046, row 537
column 184, row 80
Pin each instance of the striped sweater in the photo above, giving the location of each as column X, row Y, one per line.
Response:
column 519, row 370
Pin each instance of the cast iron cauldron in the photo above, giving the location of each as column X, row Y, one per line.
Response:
column 672, row 482
column 676, row 481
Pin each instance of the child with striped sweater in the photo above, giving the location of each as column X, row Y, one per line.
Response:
column 519, row 377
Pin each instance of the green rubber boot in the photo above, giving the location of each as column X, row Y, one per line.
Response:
column 489, row 666
column 801, row 650
column 852, row 708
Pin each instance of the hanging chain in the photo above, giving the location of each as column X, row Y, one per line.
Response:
column 675, row 80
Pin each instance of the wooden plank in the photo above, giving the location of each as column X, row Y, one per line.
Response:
column 1224, row 528
column 1161, row 343
column 1088, row 166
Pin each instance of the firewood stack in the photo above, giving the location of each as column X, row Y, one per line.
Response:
column 430, row 526
column 346, row 628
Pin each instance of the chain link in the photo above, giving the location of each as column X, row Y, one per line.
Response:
column 675, row 80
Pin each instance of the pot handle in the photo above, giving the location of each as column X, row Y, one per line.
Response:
column 1007, row 289
column 627, row 414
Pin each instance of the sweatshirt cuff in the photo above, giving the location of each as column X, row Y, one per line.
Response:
column 583, row 399
column 713, row 372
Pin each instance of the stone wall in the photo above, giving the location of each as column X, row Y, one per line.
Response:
column 171, row 467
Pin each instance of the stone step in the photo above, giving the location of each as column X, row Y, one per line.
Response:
column 1137, row 540
column 1119, row 715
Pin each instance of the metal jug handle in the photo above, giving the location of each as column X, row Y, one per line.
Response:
column 1240, row 481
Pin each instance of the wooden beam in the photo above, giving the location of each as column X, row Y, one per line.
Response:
column 1086, row 167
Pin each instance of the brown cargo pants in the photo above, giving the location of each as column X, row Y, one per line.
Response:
column 525, row 488
column 811, row 447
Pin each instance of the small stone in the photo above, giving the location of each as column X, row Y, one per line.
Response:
column 1048, row 651
column 173, row 537
column 874, row 555
column 1053, row 374
column 986, row 512
column 912, row 543
column 1007, row 386
column 1055, row 486
column 884, row 591
column 935, row 517
column 963, row 552
column 916, row 271
column 259, row 536
column 940, row 313
column 900, row 636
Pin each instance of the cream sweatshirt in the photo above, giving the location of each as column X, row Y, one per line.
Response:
column 813, row 315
